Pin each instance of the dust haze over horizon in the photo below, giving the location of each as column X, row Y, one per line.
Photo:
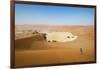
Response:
column 53, row 15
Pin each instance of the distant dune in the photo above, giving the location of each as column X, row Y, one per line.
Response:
column 50, row 27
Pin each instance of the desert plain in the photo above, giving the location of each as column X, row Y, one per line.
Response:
column 33, row 50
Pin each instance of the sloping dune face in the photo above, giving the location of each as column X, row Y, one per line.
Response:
column 34, row 50
column 60, row 36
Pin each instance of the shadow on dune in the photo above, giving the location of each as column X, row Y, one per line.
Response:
column 30, row 42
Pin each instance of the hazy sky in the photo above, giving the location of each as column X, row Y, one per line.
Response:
column 53, row 15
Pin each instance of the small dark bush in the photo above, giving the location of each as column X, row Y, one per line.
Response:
column 48, row 41
column 54, row 41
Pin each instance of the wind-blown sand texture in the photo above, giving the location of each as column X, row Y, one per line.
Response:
column 34, row 50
